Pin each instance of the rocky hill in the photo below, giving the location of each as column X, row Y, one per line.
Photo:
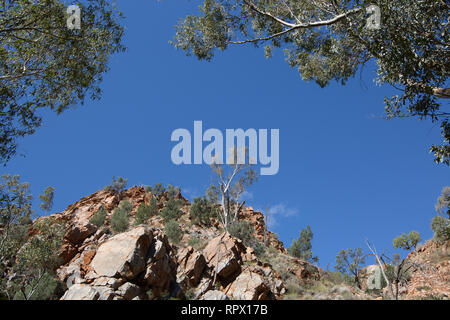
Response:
column 431, row 278
column 142, row 263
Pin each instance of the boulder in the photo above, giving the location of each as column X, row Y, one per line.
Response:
column 160, row 271
column 81, row 292
column 191, row 264
column 230, row 255
column 214, row 295
column 249, row 286
column 78, row 232
column 124, row 255
column 129, row 291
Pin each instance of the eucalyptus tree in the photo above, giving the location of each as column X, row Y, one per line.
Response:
column 44, row 64
column 441, row 223
column 231, row 181
column 328, row 40
column 351, row 262
column 28, row 250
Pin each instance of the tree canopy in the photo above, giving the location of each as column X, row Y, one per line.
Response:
column 302, row 247
column 329, row 40
column 46, row 65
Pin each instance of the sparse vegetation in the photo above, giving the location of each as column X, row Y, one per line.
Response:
column 26, row 261
column 172, row 191
column 171, row 210
column 157, row 190
column 117, row 186
column 48, row 288
column 441, row 223
column 173, row 231
column 351, row 262
column 242, row 230
column 143, row 214
column 153, row 207
column 190, row 294
column 301, row 248
column 202, row 211
column 196, row 243
column 98, row 219
column 120, row 219
column 407, row 241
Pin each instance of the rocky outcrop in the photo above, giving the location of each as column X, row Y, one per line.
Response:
column 225, row 255
column 81, row 292
column 256, row 219
column 214, row 295
column 430, row 276
column 249, row 286
column 126, row 266
column 142, row 263
column 191, row 265
column 124, row 255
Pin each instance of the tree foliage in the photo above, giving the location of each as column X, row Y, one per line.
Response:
column 330, row 40
column 302, row 247
column 37, row 258
column 441, row 223
column 47, row 199
column 25, row 261
column 242, row 230
column 117, row 185
column 172, row 191
column 45, row 65
column 407, row 241
column 443, row 203
column 232, row 180
column 120, row 219
column 158, row 189
column 171, row 210
column 173, row 231
column 144, row 212
column 203, row 211
column 351, row 262
column 98, row 219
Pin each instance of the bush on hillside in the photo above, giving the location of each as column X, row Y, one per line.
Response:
column 202, row 211
column 242, row 230
column 143, row 214
column 157, row 189
column 117, row 185
column 120, row 220
column 302, row 247
column 441, row 229
column 173, row 231
column 98, row 219
column 171, row 210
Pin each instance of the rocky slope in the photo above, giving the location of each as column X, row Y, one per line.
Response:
column 430, row 279
column 142, row 263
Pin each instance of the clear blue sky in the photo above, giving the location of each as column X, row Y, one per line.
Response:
column 343, row 170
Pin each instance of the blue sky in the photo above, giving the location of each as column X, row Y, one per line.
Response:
column 343, row 170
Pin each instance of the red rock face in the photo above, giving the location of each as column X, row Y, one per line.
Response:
column 147, row 265
column 431, row 277
column 256, row 218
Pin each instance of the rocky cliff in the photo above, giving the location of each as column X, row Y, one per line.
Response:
column 142, row 263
